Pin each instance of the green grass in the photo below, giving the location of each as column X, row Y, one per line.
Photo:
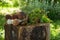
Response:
column 2, row 21
column 55, row 30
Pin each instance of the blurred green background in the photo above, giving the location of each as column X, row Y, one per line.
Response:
column 49, row 11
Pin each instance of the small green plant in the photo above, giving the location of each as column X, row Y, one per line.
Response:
column 38, row 16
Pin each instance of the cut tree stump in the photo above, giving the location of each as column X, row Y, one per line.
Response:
column 39, row 31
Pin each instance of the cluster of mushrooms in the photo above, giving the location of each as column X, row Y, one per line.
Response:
column 19, row 18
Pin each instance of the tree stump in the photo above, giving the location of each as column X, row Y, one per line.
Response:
column 39, row 31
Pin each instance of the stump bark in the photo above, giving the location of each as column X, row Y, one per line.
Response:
column 39, row 31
